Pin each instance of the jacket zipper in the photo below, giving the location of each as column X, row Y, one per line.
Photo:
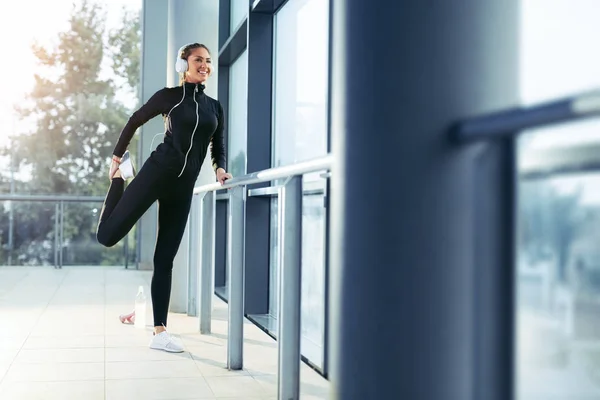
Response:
column 193, row 133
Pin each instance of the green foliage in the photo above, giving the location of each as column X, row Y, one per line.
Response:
column 125, row 49
column 77, row 114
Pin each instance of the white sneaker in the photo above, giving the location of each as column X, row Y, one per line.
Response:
column 126, row 167
column 166, row 342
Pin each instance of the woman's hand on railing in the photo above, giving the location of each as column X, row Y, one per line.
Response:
column 222, row 176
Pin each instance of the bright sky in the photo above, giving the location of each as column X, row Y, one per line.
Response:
column 25, row 22
column 560, row 57
column 559, row 54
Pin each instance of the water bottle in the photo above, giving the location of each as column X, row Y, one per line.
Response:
column 140, row 309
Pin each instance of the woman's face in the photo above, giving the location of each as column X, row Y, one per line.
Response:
column 199, row 66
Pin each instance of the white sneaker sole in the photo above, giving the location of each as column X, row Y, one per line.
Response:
column 165, row 349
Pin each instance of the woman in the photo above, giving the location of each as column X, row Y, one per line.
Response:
column 193, row 122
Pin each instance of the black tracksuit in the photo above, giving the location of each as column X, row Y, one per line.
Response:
column 194, row 121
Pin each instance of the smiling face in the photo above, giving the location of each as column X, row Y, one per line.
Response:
column 199, row 65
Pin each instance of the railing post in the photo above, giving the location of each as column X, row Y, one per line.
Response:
column 194, row 257
column 290, row 262
column 207, row 280
column 235, row 269
column 62, row 232
column 56, row 233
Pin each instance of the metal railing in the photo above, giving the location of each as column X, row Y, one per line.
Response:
column 59, row 213
column 202, row 264
column 511, row 122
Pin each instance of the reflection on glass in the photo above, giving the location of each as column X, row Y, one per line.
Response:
column 313, row 277
column 239, row 10
column 274, row 261
column 558, row 286
column 238, row 111
column 39, row 238
column 558, row 269
column 301, row 82
column 300, row 133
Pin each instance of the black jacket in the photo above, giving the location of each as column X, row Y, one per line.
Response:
column 189, row 113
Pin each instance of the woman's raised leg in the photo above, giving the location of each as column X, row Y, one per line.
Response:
column 124, row 207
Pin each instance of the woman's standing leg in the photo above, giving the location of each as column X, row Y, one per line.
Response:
column 124, row 207
column 173, row 211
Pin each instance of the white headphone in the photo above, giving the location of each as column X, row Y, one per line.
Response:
column 181, row 65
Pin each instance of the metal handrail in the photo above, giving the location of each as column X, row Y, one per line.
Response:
column 286, row 171
column 59, row 215
column 513, row 121
column 202, row 263
column 51, row 198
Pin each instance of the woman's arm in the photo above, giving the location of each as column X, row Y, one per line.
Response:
column 217, row 148
column 153, row 107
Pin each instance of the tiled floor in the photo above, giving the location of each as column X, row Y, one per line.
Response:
column 60, row 338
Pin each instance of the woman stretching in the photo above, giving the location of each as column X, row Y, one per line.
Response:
column 193, row 122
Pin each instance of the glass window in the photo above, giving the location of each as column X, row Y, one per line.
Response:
column 313, row 278
column 558, row 274
column 300, row 133
column 239, row 10
column 558, row 267
column 237, row 118
column 301, row 81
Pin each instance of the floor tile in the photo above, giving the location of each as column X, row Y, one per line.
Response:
column 158, row 389
column 268, row 383
column 122, row 354
column 55, row 372
column 37, row 356
column 310, row 387
column 64, row 342
column 209, row 367
column 11, row 342
column 235, row 386
column 128, row 340
column 7, row 356
column 198, row 340
column 74, row 329
column 152, row 369
column 3, row 371
column 210, row 352
column 88, row 390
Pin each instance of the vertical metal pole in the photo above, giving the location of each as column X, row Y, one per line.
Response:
column 402, row 285
column 56, row 233
column 326, row 307
column 194, row 256
column 11, row 223
column 10, row 231
column 61, row 233
column 495, row 178
column 235, row 268
column 290, row 259
column 207, row 280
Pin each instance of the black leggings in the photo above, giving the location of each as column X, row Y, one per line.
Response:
column 124, row 207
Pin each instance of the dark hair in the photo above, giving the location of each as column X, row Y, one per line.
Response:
column 187, row 50
column 185, row 53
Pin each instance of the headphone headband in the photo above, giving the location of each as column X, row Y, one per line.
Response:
column 181, row 65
